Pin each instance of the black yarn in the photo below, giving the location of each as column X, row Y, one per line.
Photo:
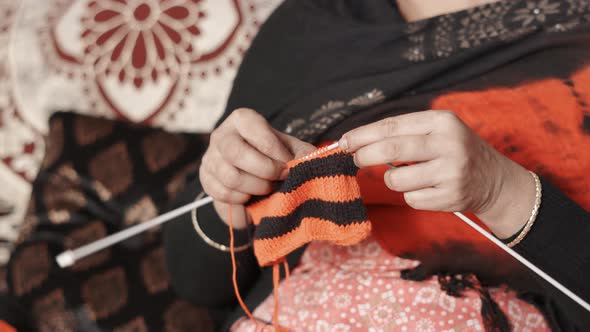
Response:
column 494, row 319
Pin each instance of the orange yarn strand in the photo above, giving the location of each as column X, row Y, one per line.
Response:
column 287, row 274
column 235, row 268
column 287, row 271
column 275, row 281
column 276, row 278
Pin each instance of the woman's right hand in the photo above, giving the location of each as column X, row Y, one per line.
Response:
column 245, row 156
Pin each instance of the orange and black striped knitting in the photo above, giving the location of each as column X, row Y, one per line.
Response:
column 320, row 200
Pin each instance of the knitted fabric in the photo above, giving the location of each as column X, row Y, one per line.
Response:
column 320, row 200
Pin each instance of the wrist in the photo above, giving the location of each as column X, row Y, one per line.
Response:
column 511, row 208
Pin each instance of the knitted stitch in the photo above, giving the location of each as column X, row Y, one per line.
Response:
column 320, row 200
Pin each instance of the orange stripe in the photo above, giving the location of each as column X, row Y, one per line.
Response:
column 267, row 251
column 329, row 189
column 5, row 327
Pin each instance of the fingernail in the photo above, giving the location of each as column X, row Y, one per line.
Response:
column 284, row 173
column 355, row 159
column 343, row 144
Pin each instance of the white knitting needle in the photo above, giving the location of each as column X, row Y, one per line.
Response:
column 524, row 261
column 521, row 259
column 69, row 257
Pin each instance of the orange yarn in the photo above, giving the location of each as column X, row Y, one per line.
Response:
column 275, row 291
column 319, row 201
column 5, row 327
column 275, row 278
column 232, row 252
column 514, row 120
column 313, row 204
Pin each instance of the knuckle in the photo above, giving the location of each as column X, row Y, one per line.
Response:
column 389, row 126
column 231, row 152
column 454, row 175
column 457, row 147
column 213, row 190
column 204, row 162
column 243, row 116
column 392, row 151
column 447, row 116
column 215, row 136
column 267, row 146
column 223, row 194
column 237, row 116
column 231, row 178
column 240, row 113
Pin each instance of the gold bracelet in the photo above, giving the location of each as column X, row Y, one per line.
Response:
column 207, row 239
column 534, row 213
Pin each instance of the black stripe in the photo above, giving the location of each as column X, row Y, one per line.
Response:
column 332, row 165
column 340, row 213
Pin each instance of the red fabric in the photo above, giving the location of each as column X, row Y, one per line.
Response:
column 541, row 131
column 398, row 227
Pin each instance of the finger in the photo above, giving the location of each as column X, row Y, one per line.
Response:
column 432, row 199
column 237, row 180
column 210, row 159
column 397, row 149
column 219, row 192
column 255, row 130
column 418, row 123
column 296, row 146
column 240, row 154
column 413, row 177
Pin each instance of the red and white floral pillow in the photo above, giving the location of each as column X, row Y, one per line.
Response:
column 164, row 63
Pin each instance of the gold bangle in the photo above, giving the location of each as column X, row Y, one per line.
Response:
column 207, row 239
column 534, row 213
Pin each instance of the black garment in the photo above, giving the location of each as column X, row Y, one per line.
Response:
column 98, row 177
column 320, row 68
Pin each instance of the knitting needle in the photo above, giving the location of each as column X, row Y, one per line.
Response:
column 524, row 261
column 519, row 258
column 69, row 257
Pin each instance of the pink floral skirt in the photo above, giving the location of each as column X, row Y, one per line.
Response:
column 359, row 288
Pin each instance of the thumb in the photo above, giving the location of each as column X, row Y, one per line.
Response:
column 297, row 147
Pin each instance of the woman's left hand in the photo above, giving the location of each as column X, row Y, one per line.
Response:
column 456, row 170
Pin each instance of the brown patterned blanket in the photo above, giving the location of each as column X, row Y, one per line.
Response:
column 98, row 177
